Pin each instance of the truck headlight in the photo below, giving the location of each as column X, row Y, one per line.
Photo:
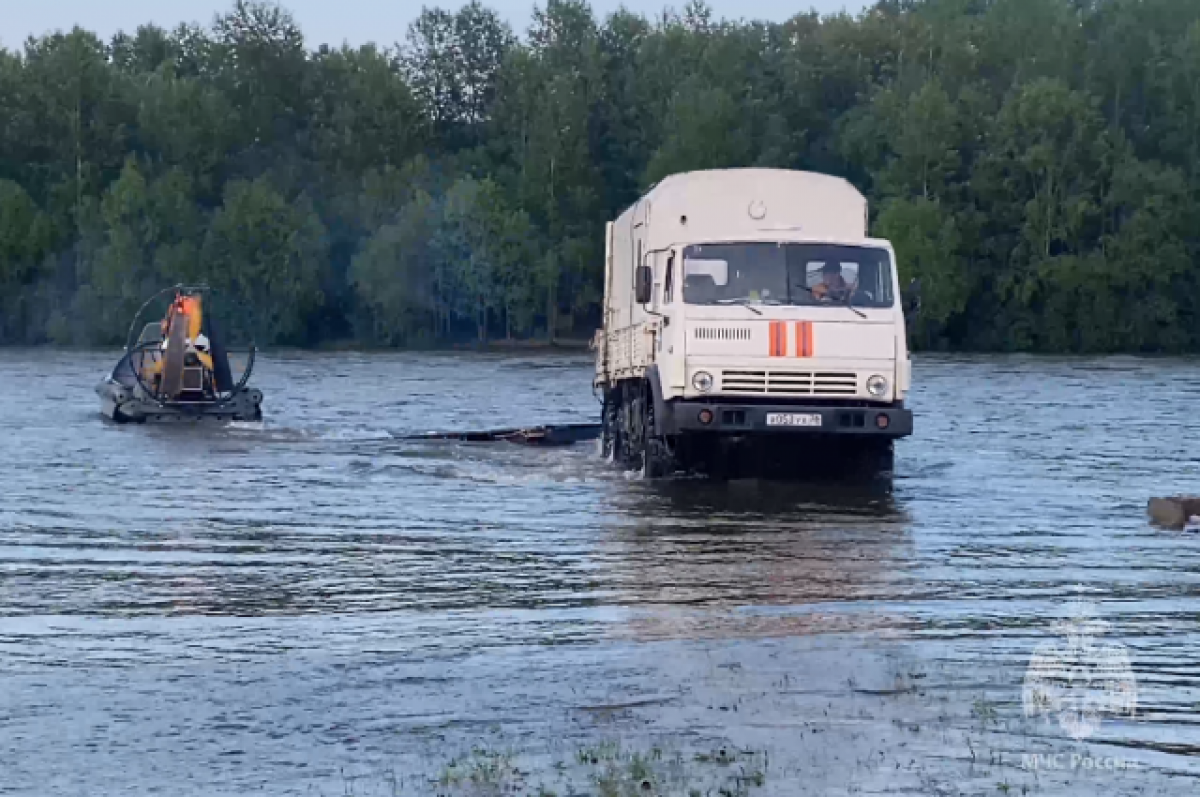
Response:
column 877, row 386
column 702, row 381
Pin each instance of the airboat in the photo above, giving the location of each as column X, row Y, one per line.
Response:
column 181, row 368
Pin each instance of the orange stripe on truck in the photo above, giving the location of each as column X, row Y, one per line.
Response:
column 777, row 344
column 804, row 339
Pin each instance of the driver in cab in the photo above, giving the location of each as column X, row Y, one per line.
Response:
column 833, row 285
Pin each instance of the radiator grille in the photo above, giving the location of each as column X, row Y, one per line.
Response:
column 791, row 383
column 721, row 333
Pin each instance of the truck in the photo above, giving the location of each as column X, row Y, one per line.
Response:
column 750, row 324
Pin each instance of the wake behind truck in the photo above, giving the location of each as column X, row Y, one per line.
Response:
column 751, row 325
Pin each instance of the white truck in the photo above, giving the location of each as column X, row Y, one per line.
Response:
column 749, row 323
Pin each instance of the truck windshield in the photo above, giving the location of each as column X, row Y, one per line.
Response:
column 787, row 273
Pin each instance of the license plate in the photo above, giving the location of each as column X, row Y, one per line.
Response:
column 793, row 419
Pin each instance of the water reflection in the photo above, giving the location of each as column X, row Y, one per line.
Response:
column 779, row 500
column 756, row 558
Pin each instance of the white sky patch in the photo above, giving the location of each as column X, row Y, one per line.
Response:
column 354, row 21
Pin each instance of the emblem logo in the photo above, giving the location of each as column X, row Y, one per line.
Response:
column 1080, row 679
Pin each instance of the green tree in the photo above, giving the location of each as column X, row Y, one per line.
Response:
column 25, row 240
column 394, row 281
column 269, row 254
column 928, row 244
column 453, row 61
column 707, row 133
column 927, row 145
column 1036, row 162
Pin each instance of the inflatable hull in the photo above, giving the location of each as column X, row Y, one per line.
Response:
column 127, row 404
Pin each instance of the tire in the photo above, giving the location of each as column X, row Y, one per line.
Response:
column 628, row 432
column 621, row 428
column 631, row 431
column 610, row 441
column 658, row 463
column 658, row 455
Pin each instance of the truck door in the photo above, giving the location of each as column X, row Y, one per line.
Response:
column 670, row 343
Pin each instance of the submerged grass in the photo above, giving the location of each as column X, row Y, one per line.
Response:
column 607, row 769
column 483, row 772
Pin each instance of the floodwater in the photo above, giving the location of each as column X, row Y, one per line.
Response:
column 311, row 606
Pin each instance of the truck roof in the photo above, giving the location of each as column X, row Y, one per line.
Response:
column 729, row 203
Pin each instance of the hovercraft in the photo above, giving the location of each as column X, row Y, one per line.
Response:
column 180, row 368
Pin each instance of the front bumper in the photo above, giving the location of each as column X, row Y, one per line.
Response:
column 730, row 417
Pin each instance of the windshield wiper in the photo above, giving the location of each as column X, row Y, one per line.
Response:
column 849, row 299
column 744, row 302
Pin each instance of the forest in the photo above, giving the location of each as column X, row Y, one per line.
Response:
column 1035, row 162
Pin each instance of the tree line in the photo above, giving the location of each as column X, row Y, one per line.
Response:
column 1035, row 162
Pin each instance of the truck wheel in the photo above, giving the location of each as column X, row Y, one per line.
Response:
column 610, row 444
column 630, row 436
column 658, row 458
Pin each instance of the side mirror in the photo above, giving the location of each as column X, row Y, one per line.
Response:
column 643, row 288
column 912, row 300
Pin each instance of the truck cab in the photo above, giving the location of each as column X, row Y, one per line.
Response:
column 749, row 319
